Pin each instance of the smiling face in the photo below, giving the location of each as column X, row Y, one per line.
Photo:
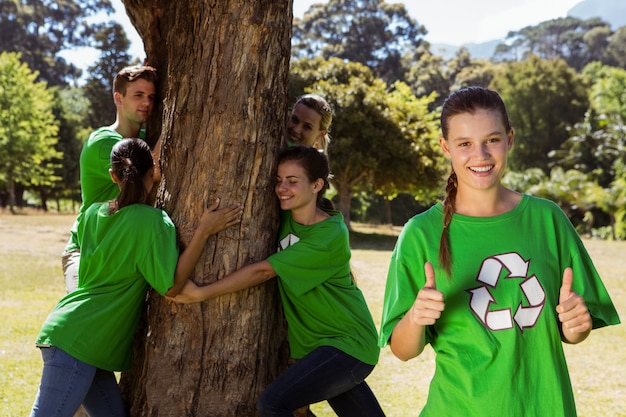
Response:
column 294, row 189
column 303, row 127
column 136, row 104
column 477, row 144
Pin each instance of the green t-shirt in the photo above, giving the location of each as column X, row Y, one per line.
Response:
column 121, row 256
column 95, row 181
column 322, row 304
column 497, row 343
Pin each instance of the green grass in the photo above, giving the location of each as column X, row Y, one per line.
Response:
column 32, row 282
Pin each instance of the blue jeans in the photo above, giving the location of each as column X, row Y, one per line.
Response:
column 66, row 383
column 324, row 374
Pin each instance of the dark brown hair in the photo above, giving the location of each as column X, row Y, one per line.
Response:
column 465, row 100
column 129, row 74
column 315, row 165
column 131, row 160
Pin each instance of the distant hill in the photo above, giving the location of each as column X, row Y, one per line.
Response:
column 483, row 50
column 611, row 11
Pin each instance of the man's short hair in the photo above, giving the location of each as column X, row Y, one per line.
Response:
column 129, row 74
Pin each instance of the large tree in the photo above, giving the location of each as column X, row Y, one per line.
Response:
column 373, row 32
column 28, row 129
column 544, row 99
column 110, row 39
column 41, row 29
column 222, row 83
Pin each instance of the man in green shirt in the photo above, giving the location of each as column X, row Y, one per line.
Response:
column 133, row 95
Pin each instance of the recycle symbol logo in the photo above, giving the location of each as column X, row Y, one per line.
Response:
column 481, row 297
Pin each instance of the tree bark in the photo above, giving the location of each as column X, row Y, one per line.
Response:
column 223, row 67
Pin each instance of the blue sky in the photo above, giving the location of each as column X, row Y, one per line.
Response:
column 454, row 22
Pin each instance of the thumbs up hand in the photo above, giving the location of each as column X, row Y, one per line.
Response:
column 573, row 313
column 429, row 303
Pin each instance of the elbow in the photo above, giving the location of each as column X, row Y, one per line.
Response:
column 403, row 355
column 267, row 275
column 174, row 290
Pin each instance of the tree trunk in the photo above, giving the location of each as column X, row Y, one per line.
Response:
column 223, row 69
column 388, row 218
column 344, row 197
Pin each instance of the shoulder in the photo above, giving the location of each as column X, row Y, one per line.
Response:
column 100, row 143
column 334, row 226
column 431, row 216
column 103, row 133
column 541, row 204
column 151, row 220
column 152, row 214
column 95, row 210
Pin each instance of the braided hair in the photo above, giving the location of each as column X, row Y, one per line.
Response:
column 465, row 100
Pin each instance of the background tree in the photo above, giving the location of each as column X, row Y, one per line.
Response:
column 70, row 109
column 598, row 144
column 28, row 130
column 41, row 29
column 223, row 70
column 428, row 75
column 110, row 39
column 431, row 73
column 575, row 192
column 568, row 38
column 544, row 98
column 371, row 32
column 616, row 49
column 420, row 171
column 381, row 141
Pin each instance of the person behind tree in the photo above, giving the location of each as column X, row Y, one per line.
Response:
column 331, row 331
column 508, row 283
column 133, row 95
column 309, row 122
column 126, row 246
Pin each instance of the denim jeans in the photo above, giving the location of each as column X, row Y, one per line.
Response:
column 324, row 374
column 66, row 383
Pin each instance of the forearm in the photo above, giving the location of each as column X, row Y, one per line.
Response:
column 246, row 277
column 156, row 157
column 407, row 339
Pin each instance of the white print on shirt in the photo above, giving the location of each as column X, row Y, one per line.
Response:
column 287, row 241
column 489, row 275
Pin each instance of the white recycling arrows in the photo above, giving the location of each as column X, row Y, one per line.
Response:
column 527, row 316
column 288, row 240
column 481, row 298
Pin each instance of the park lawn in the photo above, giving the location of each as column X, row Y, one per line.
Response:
column 32, row 282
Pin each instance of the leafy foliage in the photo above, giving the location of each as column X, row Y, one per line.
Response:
column 28, row 129
column 113, row 44
column 40, row 29
column 432, row 74
column 544, row 98
column 576, row 41
column 371, row 32
column 381, row 141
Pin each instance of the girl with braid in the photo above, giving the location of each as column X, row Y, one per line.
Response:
column 509, row 282
column 126, row 246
